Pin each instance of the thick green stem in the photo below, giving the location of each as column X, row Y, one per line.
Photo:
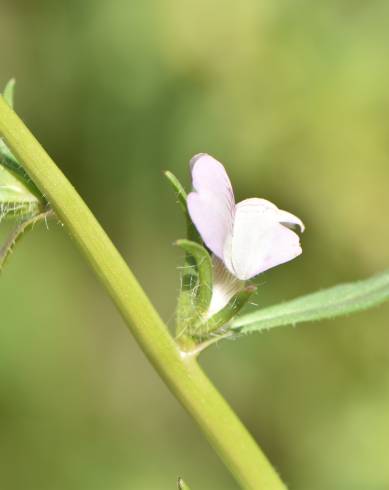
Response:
column 181, row 372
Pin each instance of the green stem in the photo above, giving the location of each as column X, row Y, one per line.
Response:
column 181, row 372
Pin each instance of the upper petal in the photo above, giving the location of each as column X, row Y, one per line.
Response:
column 258, row 240
column 211, row 205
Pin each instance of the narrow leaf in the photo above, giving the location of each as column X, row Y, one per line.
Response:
column 203, row 289
column 178, row 187
column 329, row 303
column 226, row 314
column 191, row 232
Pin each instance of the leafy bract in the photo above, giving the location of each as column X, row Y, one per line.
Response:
column 202, row 292
column 328, row 303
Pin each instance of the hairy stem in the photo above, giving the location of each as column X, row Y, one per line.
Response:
column 181, row 372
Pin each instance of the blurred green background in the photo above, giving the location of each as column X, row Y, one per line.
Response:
column 293, row 97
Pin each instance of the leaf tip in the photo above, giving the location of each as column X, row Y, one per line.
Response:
column 8, row 93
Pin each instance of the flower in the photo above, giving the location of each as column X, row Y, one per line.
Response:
column 249, row 237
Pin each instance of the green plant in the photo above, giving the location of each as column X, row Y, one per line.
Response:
column 32, row 188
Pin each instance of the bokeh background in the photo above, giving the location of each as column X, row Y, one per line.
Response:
column 293, row 97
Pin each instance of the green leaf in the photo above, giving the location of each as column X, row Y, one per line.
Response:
column 203, row 288
column 329, row 303
column 181, row 485
column 226, row 314
column 8, row 93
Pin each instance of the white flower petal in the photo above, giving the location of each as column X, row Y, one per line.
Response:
column 258, row 240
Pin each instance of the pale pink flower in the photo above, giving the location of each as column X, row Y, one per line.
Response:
column 249, row 237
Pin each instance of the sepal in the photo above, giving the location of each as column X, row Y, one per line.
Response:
column 196, row 287
column 219, row 322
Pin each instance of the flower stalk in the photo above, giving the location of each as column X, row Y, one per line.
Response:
column 181, row 373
